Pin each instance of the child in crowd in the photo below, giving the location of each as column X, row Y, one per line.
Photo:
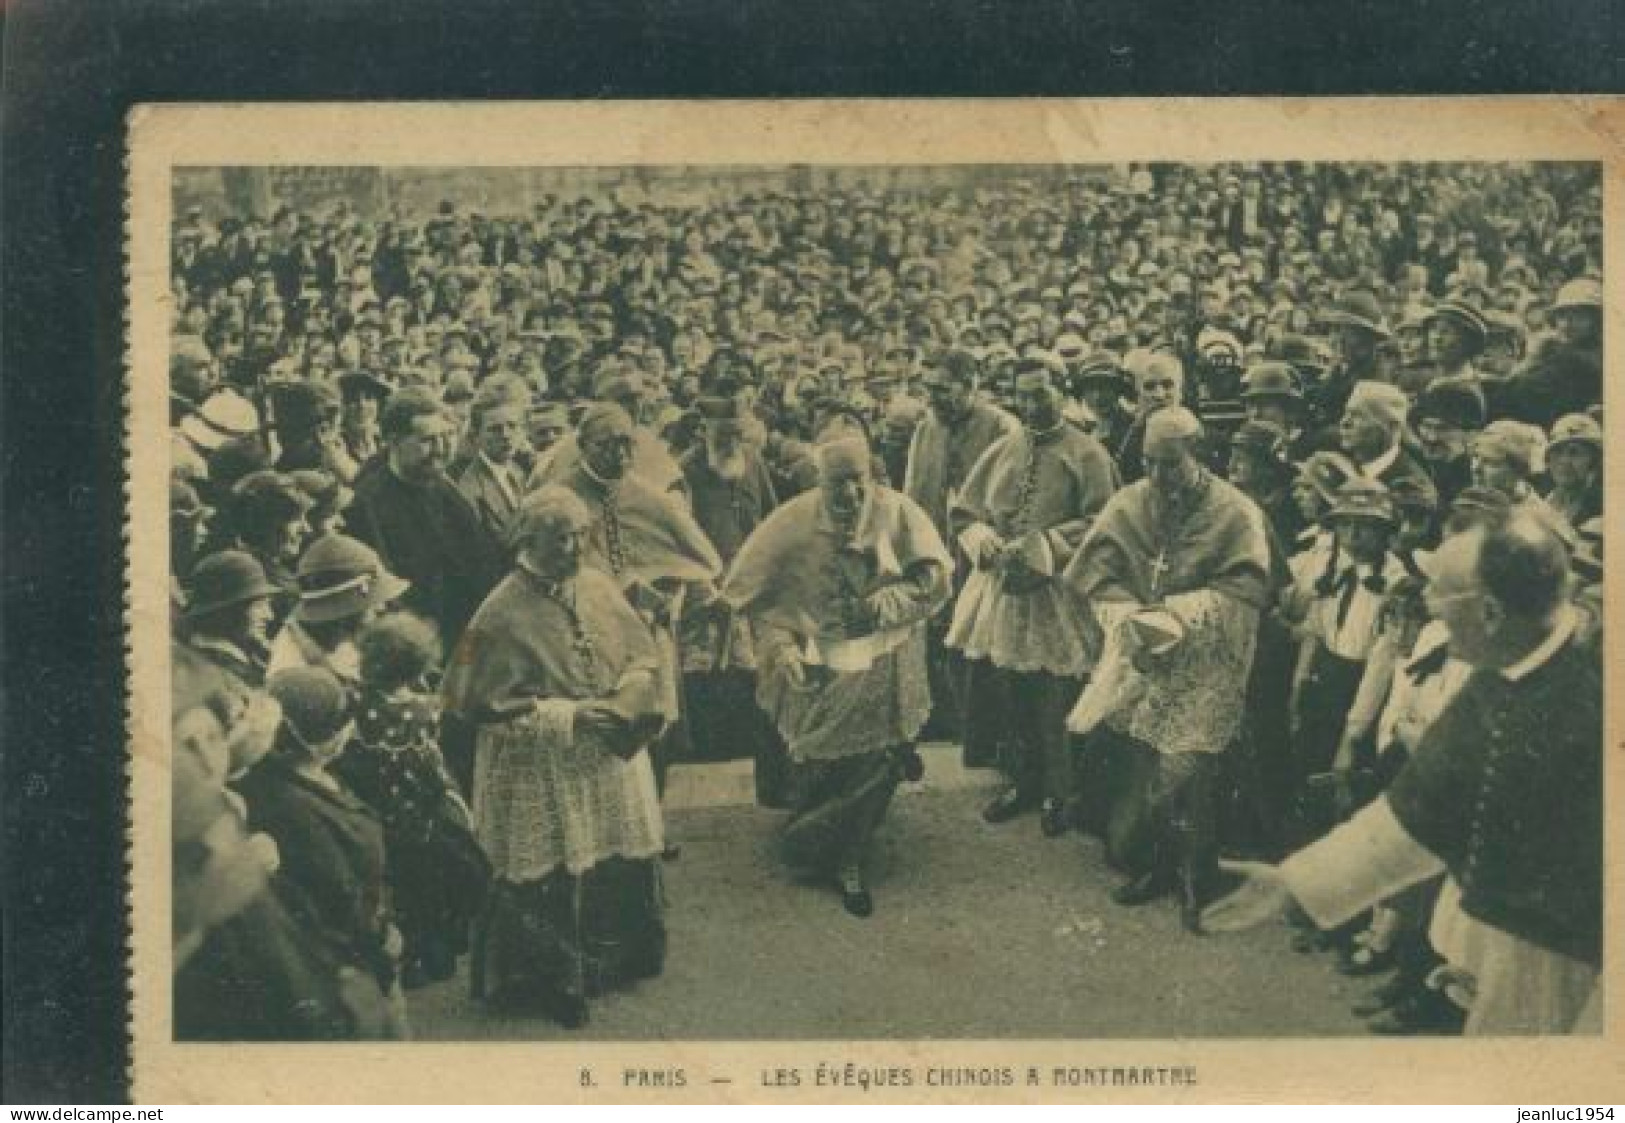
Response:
column 437, row 873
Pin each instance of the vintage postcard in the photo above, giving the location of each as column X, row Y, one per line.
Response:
column 860, row 601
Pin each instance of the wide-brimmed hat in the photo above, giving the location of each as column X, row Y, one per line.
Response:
column 1459, row 404
column 1263, row 437
column 1575, row 428
column 1582, row 292
column 1327, row 472
column 1271, row 379
column 225, row 416
column 1301, row 352
column 1365, row 500
column 1467, row 316
column 1102, row 367
column 365, row 383
column 222, row 580
column 340, row 577
column 1481, row 500
column 1359, row 309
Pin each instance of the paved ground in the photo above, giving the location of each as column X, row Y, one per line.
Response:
column 979, row 932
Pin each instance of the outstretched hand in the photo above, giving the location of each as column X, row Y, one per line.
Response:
column 1261, row 896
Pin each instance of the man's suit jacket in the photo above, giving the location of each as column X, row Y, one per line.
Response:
column 494, row 504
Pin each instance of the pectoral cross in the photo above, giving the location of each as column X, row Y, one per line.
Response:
column 1159, row 567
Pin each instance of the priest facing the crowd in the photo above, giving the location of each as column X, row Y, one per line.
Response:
column 1026, row 640
column 1503, row 793
column 839, row 584
column 1177, row 572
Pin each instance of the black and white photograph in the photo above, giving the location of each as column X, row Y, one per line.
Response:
column 980, row 601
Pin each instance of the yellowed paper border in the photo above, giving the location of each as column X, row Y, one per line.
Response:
column 161, row 138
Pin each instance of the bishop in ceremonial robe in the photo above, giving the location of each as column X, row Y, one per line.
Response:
column 560, row 677
column 1026, row 637
column 645, row 539
column 838, row 584
column 1176, row 569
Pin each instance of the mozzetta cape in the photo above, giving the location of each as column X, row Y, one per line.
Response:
column 788, row 579
column 1219, row 544
column 1050, row 503
column 543, row 796
column 1506, row 788
column 654, row 539
column 659, row 539
column 652, row 464
column 785, row 574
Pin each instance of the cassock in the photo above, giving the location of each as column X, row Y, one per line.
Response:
column 430, row 535
column 1504, row 792
column 1206, row 560
column 864, row 692
column 719, row 663
column 570, row 822
column 1026, row 637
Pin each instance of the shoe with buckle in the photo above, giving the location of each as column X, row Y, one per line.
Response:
column 855, row 896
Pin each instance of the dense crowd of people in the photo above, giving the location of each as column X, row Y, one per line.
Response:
column 1250, row 510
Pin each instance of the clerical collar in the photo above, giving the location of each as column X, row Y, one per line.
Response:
column 1187, row 496
column 607, row 485
column 409, row 482
column 552, row 584
column 1546, row 650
